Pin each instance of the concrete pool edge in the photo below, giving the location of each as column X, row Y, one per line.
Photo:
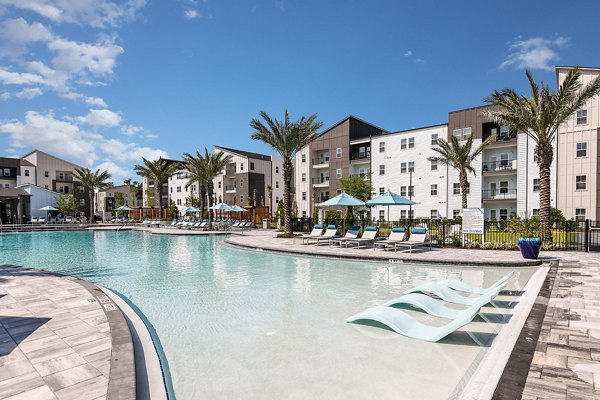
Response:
column 153, row 375
column 489, row 372
column 390, row 259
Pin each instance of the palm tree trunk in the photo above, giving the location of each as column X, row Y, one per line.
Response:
column 462, row 176
column 209, row 191
column 202, row 200
column 159, row 199
column 544, row 156
column 287, row 204
column 91, row 205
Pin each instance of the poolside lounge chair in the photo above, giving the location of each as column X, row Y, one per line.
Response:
column 316, row 232
column 418, row 237
column 330, row 233
column 441, row 290
column 353, row 232
column 406, row 325
column 464, row 287
column 69, row 220
column 396, row 236
column 368, row 237
column 34, row 220
column 42, row 220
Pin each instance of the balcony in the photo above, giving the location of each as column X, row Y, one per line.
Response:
column 501, row 167
column 360, row 157
column 229, row 172
column 320, row 162
column 366, row 176
column 64, row 177
column 230, row 188
column 499, row 194
column 321, row 182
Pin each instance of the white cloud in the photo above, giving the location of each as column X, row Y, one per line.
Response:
column 534, row 53
column 95, row 13
column 116, row 171
column 29, row 93
column 419, row 60
column 19, row 78
column 191, row 14
column 131, row 130
column 96, row 101
column 77, row 58
column 102, row 117
column 408, row 53
column 17, row 34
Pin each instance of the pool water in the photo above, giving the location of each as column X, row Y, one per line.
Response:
column 246, row 324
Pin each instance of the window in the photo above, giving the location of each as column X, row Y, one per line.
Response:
column 402, row 144
column 45, row 186
column 381, row 190
column 434, row 189
column 303, row 195
column 455, row 213
column 277, row 169
column 276, row 199
column 457, row 133
column 338, row 191
column 466, row 132
column 493, row 215
column 81, row 189
column 433, row 214
column 251, row 166
column 26, row 172
column 434, row 139
column 218, row 185
column 503, row 213
column 304, row 177
column 178, row 202
column 581, row 149
column 304, row 158
column 338, row 152
column 504, row 160
column 382, row 147
column 382, row 169
column 411, row 214
column 581, row 182
column 504, row 132
column 580, row 214
column 61, row 189
column 402, row 214
column 536, row 184
column 61, row 175
column 178, row 189
column 456, row 188
column 242, row 199
column 6, row 171
column 276, row 184
column 241, row 183
column 535, row 212
column 46, row 174
column 411, row 191
column 581, row 117
column 382, row 215
column 7, row 185
column 241, row 166
column 82, row 202
column 434, row 164
column 338, row 173
column 411, row 143
column 193, row 189
column 303, row 214
column 504, row 187
column 411, row 166
column 403, row 191
column 403, row 168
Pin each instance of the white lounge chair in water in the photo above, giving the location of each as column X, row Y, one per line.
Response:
column 444, row 292
column 404, row 324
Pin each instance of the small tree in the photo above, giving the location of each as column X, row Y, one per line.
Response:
column 119, row 200
column 67, row 204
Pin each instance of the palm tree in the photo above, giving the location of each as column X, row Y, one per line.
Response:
column 539, row 115
column 215, row 164
column 287, row 138
column 92, row 181
column 459, row 156
column 158, row 171
column 197, row 167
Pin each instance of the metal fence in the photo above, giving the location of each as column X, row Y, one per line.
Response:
column 567, row 235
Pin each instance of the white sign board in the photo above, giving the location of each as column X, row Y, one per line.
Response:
column 472, row 220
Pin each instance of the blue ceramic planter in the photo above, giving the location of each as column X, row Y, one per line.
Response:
column 530, row 247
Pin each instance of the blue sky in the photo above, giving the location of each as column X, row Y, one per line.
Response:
column 103, row 83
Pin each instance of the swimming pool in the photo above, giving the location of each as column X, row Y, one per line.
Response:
column 244, row 324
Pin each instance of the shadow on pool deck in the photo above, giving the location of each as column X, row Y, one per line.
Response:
column 17, row 329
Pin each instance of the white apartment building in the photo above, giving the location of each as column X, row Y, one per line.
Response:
column 578, row 184
column 105, row 198
column 178, row 193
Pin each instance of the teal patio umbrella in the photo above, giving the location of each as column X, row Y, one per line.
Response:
column 221, row 207
column 124, row 208
column 342, row 200
column 48, row 209
column 390, row 199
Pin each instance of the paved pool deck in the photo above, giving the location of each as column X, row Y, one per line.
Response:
column 61, row 338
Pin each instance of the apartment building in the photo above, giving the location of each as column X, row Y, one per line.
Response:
column 340, row 151
column 400, row 164
column 149, row 191
column 578, row 181
column 179, row 194
column 106, row 198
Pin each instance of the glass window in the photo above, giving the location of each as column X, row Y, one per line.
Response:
column 580, row 182
column 504, row 187
column 242, row 199
column 81, row 189
column 251, row 166
column 402, row 144
column 276, row 184
column 504, row 132
column 46, row 174
column 61, row 189
column 276, row 199
column 304, row 177
column 411, row 166
column 45, row 186
column 26, row 172
column 411, row 191
column 580, row 214
column 338, row 152
column 304, row 214
column 434, row 189
column 434, row 165
column 338, row 191
column 61, row 175
column 241, row 166
column 411, row 143
column 433, row 214
column 535, row 212
column 382, row 169
column 218, row 185
column 455, row 213
column 466, row 133
column 457, row 133
column 303, row 157
column 403, row 214
column 82, row 202
column 456, row 188
column 382, row 215
column 382, row 147
column 381, row 190
column 403, row 168
column 178, row 189
column 6, row 171
column 503, row 213
column 536, row 184
column 241, row 183
column 338, row 173
column 277, row 169
column 434, row 139
column 581, row 149
column 303, row 195
column 403, row 191
column 178, row 202
column 581, row 117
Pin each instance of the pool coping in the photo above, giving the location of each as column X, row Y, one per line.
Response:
column 413, row 259
column 121, row 379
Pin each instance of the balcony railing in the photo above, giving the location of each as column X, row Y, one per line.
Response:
column 502, row 165
column 229, row 188
column 366, row 175
column 320, row 160
column 499, row 194
column 229, row 172
column 64, row 178
column 318, row 181
column 360, row 156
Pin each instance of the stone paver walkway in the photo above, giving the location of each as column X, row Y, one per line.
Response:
column 566, row 362
column 55, row 339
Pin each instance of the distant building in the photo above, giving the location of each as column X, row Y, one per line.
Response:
column 149, row 191
column 106, row 198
